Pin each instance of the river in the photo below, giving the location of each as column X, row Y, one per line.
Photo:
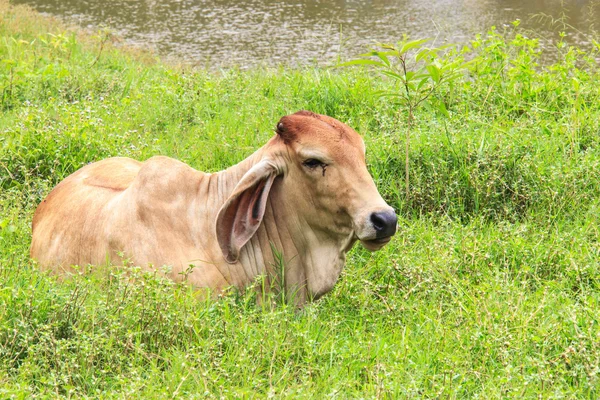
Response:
column 244, row 33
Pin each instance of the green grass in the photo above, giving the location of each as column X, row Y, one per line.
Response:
column 490, row 289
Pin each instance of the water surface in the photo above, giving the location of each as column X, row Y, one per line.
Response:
column 230, row 32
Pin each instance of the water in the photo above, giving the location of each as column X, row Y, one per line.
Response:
column 243, row 33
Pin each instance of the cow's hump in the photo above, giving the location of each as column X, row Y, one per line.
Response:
column 114, row 173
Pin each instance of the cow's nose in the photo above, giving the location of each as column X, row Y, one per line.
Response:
column 384, row 223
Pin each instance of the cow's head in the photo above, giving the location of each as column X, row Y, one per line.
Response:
column 325, row 183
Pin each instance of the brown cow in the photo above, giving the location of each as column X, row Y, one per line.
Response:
column 307, row 192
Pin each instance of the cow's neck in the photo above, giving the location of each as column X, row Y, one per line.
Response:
column 311, row 261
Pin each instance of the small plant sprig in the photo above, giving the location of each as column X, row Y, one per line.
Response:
column 103, row 36
column 418, row 73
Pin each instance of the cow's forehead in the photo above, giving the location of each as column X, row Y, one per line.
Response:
column 323, row 132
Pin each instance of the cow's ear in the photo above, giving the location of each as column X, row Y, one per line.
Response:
column 243, row 211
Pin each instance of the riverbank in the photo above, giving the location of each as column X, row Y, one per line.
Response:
column 490, row 288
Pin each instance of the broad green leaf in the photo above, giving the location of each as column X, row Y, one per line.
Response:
column 380, row 54
column 441, row 106
column 422, row 54
column 368, row 54
column 383, row 58
column 422, row 82
column 385, row 93
column 435, row 72
column 388, row 47
column 413, row 44
column 420, row 75
column 393, row 74
column 361, row 62
column 576, row 84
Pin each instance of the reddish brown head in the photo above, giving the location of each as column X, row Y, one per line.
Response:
column 325, row 185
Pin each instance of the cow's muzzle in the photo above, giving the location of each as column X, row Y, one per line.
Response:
column 383, row 225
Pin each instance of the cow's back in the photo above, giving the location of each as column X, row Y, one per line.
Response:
column 70, row 225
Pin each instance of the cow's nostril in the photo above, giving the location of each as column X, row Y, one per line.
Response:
column 384, row 223
column 378, row 222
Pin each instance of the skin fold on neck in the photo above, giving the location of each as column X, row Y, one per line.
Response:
column 312, row 260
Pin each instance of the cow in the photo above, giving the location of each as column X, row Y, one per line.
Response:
column 306, row 194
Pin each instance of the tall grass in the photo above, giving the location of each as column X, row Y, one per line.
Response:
column 490, row 289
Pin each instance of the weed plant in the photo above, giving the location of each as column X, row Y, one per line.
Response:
column 490, row 289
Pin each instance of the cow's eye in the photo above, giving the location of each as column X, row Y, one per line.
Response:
column 312, row 163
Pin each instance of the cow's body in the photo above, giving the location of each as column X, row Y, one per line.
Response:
column 163, row 212
column 120, row 209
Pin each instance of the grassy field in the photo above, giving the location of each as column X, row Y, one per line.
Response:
column 490, row 289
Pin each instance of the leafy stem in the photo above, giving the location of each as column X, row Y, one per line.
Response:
column 421, row 71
